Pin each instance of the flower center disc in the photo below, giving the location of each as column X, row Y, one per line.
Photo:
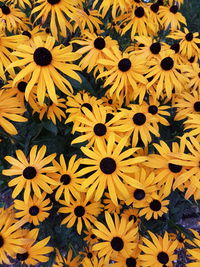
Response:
column 139, row 12
column 174, row 9
column 167, row 63
column 1, row 241
column 189, row 36
column 139, row 119
column 155, row 205
column 117, row 243
column 29, row 172
column 42, row 56
column 155, row 7
column 100, row 129
column 53, row 2
column 22, row 86
column 174, row 168
column 131, row 262
column 108, row 165
column 124, row 64
column 153, row 109
column 155, row 48
column 34, row 210
column 139, row 194
column 163, row 257
column 65, row 179
column 175, row 47
column 89, row 255
column 22, row 256
column 197, row 106
column 5, row 9
column 99, row 43
column 79, row 211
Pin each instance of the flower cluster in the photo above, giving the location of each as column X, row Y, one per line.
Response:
column 100, row 121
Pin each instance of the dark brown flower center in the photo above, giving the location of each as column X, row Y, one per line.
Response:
column 167, row 63
column 174, row 168
column 163, row 257
column 34, row 210
column 53, row 2
column 175, row 47
column 93, row 236
column 29, row 172
column 47, row 30
column 27, row 33
column 191, row 60
column 1, row 241
column 65, row 179
column 174, row 9
column 110, row 101
column 155, row 205
column 22, row 86
column 139, row 119
column 86, row 105
column 139, row 194
column 117, row 243
column 197, row 106
column 22, row 256
column 100, row 129
column 189, row 36
column 155, row 48
column 89, row 255
column 155, row 7
column 124, row 64
column 131, row 262
column 79, row 211
column 42, row 56
column 139, row 12
column 108, row 165
column 153, row 109
column 5, row 10
column 99, row 43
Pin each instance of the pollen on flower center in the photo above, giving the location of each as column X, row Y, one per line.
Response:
column 174, row 168
column 163, row 257
column 117, row 243
column 174, row 9
column 175, row 47
column 155, row 48
column 42, row 56
column 155, row 7
column 22, row 86
column 153, row 109
column 27, row 33
column 5, row 9
column 139, row 194
column 1, row 241
column 34, row 210
column 100, row 129
column 53, row 2
column 79, row 211
column 155, row 205
column 167, row 63
column 189, row 36
column 139, row 12
column 131, row 262
column 197, row 106
column 132, row 217
column 86, row 105
column 29, row 172
column 99, row 43
column 139, row 119
column 108, row 165
column 22, row 256
column 65, row 179
column 124, row 64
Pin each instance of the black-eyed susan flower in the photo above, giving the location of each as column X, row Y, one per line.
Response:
column 68, row 260
column 90, row 237
column 36, row 210
column 67, row 180
column 188, row 42
column 94, row 261
column 10, row 109
column 80, row 212
column 11, row 236
column 118, row 238
column 110, row 206
column 131, row 214
column 109, row 167
column 20, row 3
column 193, row 73
column 35, row 251
column 44, row 62
column 122, row 69
column 158, row 252
column 32, row 172
column 92, row 49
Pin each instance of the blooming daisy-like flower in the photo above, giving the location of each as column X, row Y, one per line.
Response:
column 158, row 252
column 32, row 173
column 35, row 210
column 119, row 238
column 13, row 19
column 166, row 74
column 67, row 179
column 58, row 11
column 80, row 211
column 170, row 17
column 130, row 261
column 11, row 236
column 93, row 47
column 188, row 42
column 20, row 3
column 94, row 261
column 110, row 206
column 10, row 109
column 90, row 237
column 68, row 260
column 187, row 104
column 193, row 73
column 44, row 62
column 110, row 167
column 35, row 252
column 122, row 70
column 131, row 214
